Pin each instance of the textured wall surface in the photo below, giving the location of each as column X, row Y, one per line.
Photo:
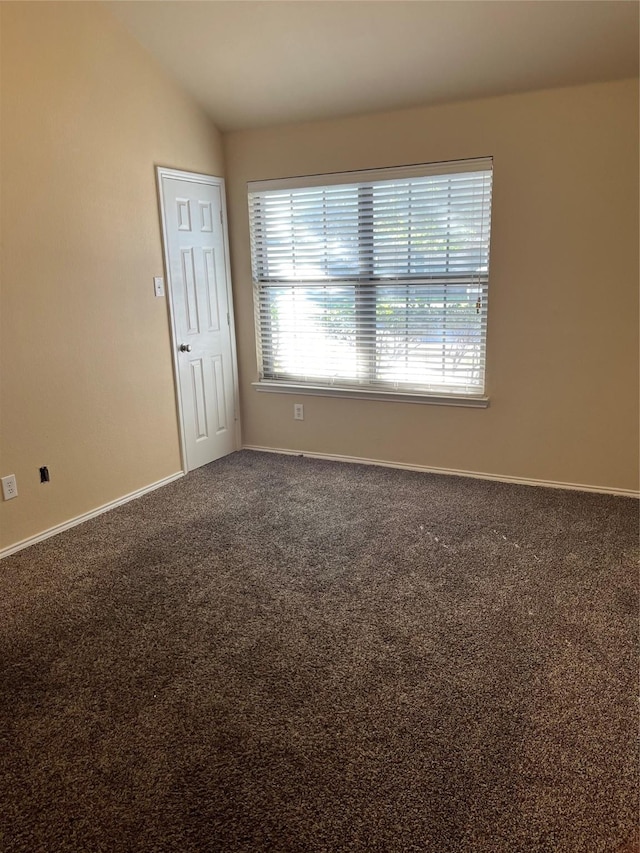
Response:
column 563, row 303
column 87, row 385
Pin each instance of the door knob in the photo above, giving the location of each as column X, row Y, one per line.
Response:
column 185, row 347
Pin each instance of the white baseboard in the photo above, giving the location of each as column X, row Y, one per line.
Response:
column 73, row 522
column 454, row 472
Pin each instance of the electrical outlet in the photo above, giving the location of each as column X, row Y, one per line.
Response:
column 298, row 411
column 9, row 487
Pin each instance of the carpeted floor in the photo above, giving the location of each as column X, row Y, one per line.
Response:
column 281, row 654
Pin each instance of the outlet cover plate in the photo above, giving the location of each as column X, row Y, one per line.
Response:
column 9, row 487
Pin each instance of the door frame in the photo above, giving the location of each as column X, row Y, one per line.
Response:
column 211, row 180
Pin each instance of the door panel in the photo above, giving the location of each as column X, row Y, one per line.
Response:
column 199, row 291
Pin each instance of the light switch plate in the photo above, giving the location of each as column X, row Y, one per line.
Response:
column 158, row 285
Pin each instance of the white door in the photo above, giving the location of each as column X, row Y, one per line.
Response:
column 196, row 254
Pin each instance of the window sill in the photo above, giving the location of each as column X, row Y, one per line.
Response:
column 479, row 402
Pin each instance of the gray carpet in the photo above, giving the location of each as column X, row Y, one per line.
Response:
column 281, row 654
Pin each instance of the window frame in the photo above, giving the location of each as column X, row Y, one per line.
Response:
column 370, row 286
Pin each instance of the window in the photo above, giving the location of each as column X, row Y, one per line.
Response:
column 374, row 281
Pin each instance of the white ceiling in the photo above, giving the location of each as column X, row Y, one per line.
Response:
column 253, row 64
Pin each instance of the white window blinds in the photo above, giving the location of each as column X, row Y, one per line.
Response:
column 374, row 280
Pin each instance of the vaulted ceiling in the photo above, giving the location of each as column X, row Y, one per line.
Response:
column 253, row 63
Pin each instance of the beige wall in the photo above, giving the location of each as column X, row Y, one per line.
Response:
column 87, row 385
column 563, row 304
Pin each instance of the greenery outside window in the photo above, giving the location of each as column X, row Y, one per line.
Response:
column 374, row 281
